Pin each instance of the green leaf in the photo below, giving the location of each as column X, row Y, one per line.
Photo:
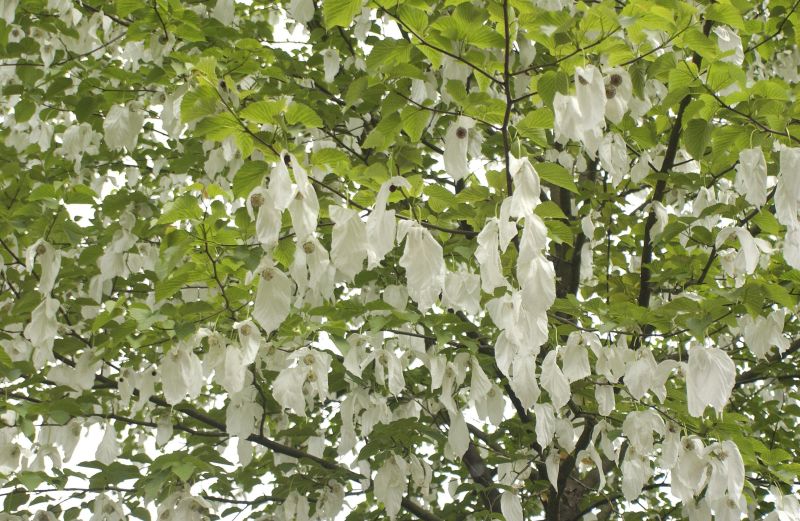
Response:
column 551, row 82
column 183, row 208
column 415, row 120
column 42, row 192
column 166, row 288
column 15, row 499
column 560, row 232
column 724, row 13
column 542, row 118
column 184, row 470
column 387, row 54
column 414, row 18
column 263, row 111
column 245, row 143
column 188, row 31
column 549, row 210
column 31, row 480
column 439, row 197
column 303, row 114
column 23, row 110
column 473, row 194
column 696, row 41
column 534, row 124
column 249, row 176
column 126, row 7
column 682, row 76
column 85, row 107
column 767, row 222
column 385, row 132
column 217, row 127
column 340, row 12
column 331, row 157
column 4, row 359
column 696, row 137
column 198, row 103
column 780, row 295
column 556, row 174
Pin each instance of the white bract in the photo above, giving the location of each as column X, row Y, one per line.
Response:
column 349, row 242
column 390, row 482
column 456, row 146
column 751, row 176
column 273, row 296
column 122, row 127
column 424, row 264
column 710, row 375
column 787, row 191
column 730, row 44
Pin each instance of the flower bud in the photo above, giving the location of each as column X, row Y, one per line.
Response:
column 256, row 200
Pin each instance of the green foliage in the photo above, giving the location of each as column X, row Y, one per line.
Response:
column 136, row 139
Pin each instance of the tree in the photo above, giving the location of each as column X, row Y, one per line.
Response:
column 437, row 260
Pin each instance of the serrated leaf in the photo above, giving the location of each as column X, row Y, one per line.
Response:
column 682, row 76
column 42, row 192
column 245, row 143
column 439, row 197
column 23, row 110
column 551, row 82
column 385, row 132
column 217, row 127
column 198, row 103
column 780, row 295
column 724, row 13
column 542, row 118
column 183, row 208
column 329, row 156
column 183, row 470
column 767, row 222
column 31, row 480
column 340, row 12
column 473, row 194
column 549, row 210
column 388, row 53
column 4, row 359
column 304, row 115
column 414, row 18
column 698, row 42
column 485, row 37
column 560, row 232
column 696, row 137
column 415, row 120
column 249, row 176
column 126, row 7
column 263, row 112
column 556, row 174
column 166, row 288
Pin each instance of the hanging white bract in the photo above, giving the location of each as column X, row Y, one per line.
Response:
column 751, row 176
column 456, row 146
column 122, row 127
column 348, row 242
column 273, row 296
column 424, row 264
column 710, row 376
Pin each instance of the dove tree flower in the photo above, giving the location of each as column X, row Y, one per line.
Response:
column 433, row 260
